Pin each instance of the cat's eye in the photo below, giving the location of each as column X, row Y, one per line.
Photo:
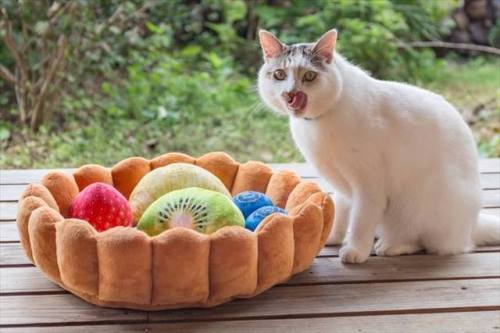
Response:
column 310, row 76
column 279, row 74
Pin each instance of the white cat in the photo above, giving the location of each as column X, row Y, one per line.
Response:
column 401, row 159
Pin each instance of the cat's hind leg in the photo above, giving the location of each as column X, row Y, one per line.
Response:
column 451, row 216
column 389, row 249
column 437, row 216
column 399, row 233
column 451, row 233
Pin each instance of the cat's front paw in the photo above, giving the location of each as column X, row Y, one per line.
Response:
column 352, row 255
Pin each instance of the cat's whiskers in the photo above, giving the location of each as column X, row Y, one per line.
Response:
column 254, row 108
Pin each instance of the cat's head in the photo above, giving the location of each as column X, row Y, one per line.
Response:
column 300, row 80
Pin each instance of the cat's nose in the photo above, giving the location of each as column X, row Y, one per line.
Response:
column 288, row 95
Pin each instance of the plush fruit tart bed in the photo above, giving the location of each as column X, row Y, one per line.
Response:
column 126, row 266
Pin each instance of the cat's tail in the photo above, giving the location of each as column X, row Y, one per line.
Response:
column 487, row 230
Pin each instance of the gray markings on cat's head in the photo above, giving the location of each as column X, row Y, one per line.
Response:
column 299, row 55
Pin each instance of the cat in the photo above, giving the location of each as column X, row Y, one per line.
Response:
column 401, row 159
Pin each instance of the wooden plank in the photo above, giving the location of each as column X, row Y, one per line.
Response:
column 8, row 211
column 491, row 211
column 13, row 192
column 491, row 200
column 12, row 254
column 66, row 308
column 355, row 298
column 305, row 170
column 333, row 251
column 415, row 267
column 8, row 232
column 457, row 322
column 323, row 271
column 309, row 171
column 25, row 280
column 490, row 181
column 489, row 165
column 26, row 176
column 293, row 301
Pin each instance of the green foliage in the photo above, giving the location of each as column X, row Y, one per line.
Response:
column 371, row 33
column 145, row 77
column 105, row 34
column 494, row 35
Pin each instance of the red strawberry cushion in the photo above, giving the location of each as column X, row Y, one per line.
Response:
column 102, row 206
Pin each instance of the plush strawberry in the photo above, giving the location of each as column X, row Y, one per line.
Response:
column 102, row 206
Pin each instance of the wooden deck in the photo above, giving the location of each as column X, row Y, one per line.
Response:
column 419, row 293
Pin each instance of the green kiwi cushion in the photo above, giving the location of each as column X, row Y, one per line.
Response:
column 199, row 209
column 169, row 178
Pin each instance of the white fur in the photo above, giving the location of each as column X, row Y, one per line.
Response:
column 401, row 159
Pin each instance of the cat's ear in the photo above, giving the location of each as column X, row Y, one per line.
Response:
column 271, row 46
column 325, row 46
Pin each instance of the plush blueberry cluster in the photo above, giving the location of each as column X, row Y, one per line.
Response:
column 255, row 207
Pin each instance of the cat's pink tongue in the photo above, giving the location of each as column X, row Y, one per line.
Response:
column 299, row 101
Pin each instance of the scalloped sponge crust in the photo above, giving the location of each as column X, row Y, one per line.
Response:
column 124, row 268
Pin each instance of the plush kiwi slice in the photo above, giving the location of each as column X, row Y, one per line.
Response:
column 169, row 178
column 202, row 210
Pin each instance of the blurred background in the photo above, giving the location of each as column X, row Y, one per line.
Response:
column 97, row 81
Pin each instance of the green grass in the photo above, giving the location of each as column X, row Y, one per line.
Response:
column 245, row 134
column 474, row 88
column 232, row 120
column 468, row 84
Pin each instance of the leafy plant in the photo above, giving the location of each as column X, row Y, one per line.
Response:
column 38, row 53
